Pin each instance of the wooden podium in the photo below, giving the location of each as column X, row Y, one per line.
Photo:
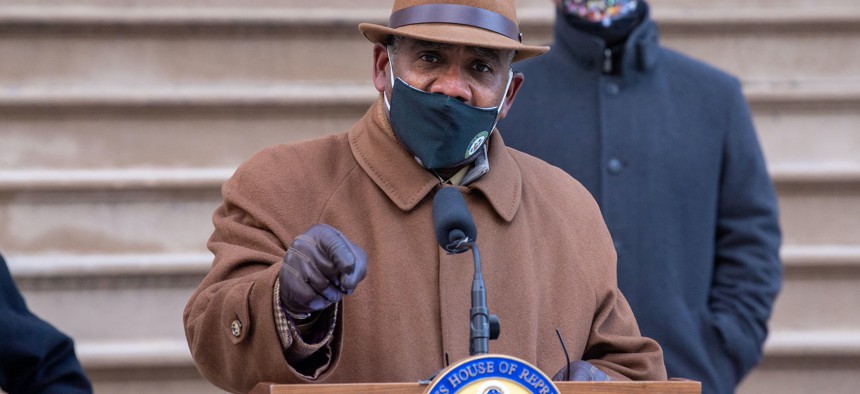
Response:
column 667, row 387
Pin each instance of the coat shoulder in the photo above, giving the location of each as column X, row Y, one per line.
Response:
column 310, row 164
column 295, row 178
column 548, row 179
column 329, row 153
column 682, row 66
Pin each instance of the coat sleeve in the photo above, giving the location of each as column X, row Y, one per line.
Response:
column 229, row 320
column 616, row 346
column 748, row 271
column 35, row 357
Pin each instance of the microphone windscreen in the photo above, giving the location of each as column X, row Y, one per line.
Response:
column 451, row 213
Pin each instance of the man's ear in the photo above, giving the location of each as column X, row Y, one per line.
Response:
column 380, row 67
column 516, row 83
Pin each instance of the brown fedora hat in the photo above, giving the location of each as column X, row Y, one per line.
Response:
column 480, row 23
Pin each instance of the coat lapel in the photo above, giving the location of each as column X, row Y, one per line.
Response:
column 503, row 184
column 386, row 162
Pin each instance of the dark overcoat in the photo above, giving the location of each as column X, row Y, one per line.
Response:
column 547, row 258
column 34, row 356
column 669, row 151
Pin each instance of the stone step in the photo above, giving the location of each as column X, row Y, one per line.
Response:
column 113, row 309
column 74, row 291
column 202, row 127
column 801, row 362
column 158, row 128
column 169, row 211
column 785, row 113
column 151, row 380
column 819, row 289
column 822, row 212
column 140, row 46
column 104, row 221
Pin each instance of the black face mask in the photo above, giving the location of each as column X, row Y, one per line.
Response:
column 441, row 131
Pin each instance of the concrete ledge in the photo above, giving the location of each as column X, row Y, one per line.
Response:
column 74, row 266
column 113, row 179
column 821, row 256
column 212, row 178
column 815, row 173
column 152, row 353
column 159, row 18
column 177, row 264
column 169, row 352
column 821, row 91
column 304, row 95
column 286, row 95
column 818, row 343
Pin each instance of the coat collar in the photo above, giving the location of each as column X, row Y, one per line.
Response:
column 640, row 52
column 406, row 183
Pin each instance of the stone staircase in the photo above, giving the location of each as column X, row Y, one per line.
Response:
column 121, row 118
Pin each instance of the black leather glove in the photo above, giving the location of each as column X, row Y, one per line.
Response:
column 581, row 371
column 320, row 267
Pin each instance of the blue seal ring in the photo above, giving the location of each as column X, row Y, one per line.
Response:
column 496, row 374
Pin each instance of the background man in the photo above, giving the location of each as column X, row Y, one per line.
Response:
column 34, row 356
column 283, row 303
column 667, row 147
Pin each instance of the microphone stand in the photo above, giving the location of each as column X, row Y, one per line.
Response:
column 479, row 315
column 482, row 325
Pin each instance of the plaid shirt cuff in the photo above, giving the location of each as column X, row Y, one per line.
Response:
column 297, row 338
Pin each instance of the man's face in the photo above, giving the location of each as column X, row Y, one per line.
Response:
column 476, row 76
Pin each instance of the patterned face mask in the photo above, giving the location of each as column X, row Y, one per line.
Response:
column 602, row 11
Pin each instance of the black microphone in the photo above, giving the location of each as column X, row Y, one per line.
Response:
column 452, row 221
column 456, row 233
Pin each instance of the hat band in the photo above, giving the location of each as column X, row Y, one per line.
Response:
column 456, row 14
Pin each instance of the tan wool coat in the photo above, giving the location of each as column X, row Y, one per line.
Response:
column 548, row 263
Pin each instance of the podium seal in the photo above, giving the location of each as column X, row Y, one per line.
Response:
column 492, row 374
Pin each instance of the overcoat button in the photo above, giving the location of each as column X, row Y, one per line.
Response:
column 615, row 166
column 613, row 88
column 236, row 328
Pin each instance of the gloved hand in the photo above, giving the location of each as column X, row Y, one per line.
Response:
column 581, row 371
column 320, row 267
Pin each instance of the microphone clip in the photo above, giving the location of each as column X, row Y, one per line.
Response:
column 458, row 246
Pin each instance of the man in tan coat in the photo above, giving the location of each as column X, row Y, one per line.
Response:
column 326, row 265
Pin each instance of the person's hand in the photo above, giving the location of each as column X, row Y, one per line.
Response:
column 320, row 267
column 581, row 371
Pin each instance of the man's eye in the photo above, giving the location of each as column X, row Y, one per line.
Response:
column 429, row 58
column 484, row 68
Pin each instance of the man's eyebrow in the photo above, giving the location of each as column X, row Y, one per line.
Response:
column 433, row 45
column 492, row 54
column 486, row 53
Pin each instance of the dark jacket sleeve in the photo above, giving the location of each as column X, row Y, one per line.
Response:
column 748, row 271
column 34, row 356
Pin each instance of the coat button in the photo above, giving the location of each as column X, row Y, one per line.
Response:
column 612, row 88
column 615, row 166
column 236, row 328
